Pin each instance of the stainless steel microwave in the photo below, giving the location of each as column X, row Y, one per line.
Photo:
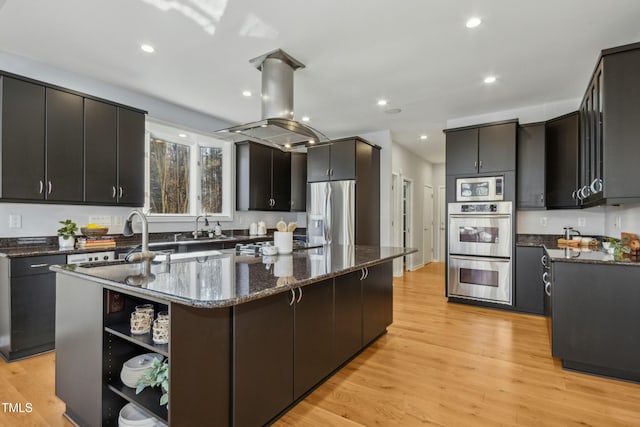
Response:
column 481, row 189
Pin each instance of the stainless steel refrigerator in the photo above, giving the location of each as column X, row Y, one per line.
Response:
column 331, row 212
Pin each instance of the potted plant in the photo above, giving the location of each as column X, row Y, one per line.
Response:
column 157, row 375
column 66, row 234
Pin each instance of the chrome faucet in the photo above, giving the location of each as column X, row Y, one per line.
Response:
column 206, row 223
column 145, row 253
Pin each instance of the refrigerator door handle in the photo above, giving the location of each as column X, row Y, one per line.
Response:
column 327, row 214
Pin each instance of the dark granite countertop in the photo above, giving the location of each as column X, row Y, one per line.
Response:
column 225, row 278
column 26, row 247
column 587, row 255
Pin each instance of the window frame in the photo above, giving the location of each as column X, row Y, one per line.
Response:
column 194, row 139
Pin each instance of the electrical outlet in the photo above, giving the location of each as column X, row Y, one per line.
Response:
column 15, row 221
column 118, row 220
column 618, row 223
column 582, row 222
column 100, row 219
column 543, row 221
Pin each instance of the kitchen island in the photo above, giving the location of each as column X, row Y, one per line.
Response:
column 250, row 336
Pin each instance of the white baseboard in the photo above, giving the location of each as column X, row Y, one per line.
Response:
column 415, row 267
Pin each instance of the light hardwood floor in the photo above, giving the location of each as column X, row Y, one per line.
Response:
column 439, row 364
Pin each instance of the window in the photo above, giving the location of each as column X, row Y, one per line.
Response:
column 187, row 173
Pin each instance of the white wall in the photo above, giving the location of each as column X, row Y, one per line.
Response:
column 532, row 222
column 408, row 166
column 622, row 218
column 439, row 179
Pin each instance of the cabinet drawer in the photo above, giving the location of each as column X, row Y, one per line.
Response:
column 35, row 265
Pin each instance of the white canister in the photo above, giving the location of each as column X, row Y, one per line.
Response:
column 283, row 240
column 262, row 228
column 253, row 229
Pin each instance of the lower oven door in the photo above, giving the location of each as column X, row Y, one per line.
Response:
column 484, row 279
column 488, row 235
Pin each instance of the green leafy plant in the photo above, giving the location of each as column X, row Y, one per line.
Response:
column 620, row 246
column 68, row 229
column 157, row 375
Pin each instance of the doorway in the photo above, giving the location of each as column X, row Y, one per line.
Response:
column 396, row 221
column 442, row 205
column 427, row 225
column 406, row 209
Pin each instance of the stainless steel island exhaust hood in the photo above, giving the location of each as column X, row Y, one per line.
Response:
column 277, row 127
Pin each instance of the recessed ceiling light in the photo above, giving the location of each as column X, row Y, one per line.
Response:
column 490, row 79
column 147, row 48
column 473, row 22
column 246, row 93
column 312, row 141
column 423, row 137
column 182, row 135
column 287, row 145
column 393, row 111
column 382, row 102
column 305, row 118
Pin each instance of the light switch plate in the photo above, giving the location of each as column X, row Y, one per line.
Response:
column 582, row 222
column 100, row 219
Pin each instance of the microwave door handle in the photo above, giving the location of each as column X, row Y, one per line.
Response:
column 327, row 213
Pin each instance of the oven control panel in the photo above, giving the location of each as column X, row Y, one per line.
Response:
column 479, row 208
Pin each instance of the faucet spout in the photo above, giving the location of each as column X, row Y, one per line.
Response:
column 196, row 232
column 145, row 253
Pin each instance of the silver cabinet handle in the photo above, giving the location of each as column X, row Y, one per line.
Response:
column 362, row 274
column 545, row 278
column 480, row 164
column 50, row 188
column 300, row 296
column 39, row 265
column 331, row 172
column 293, row 297
column 41, row 187
column 113, row 191
column 543, row 260
column 366, row 273
column 547, row 289
column 596, row 186
column 475, row 164
column 585, row 192
column 542, row 197
column 120, row 193
column 328, row 170
column 574, row 195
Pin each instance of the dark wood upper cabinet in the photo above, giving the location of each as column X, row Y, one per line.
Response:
column 332, row 162
column 563, row 139
column 130, row 157
column 530, row 170
column 64, row 143
column 481, row 149
column 23, row 133
column 263, row 178
column 318, row 163
column 298, row 182
column 100, row 144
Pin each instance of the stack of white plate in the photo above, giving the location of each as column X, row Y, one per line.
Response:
column 136, row 367
column 132, row 416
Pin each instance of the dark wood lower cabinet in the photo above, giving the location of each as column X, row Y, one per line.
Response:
column 377, row 301
column 313, row 336
column 263, row 359
column 529, row 288
column 348, row 316
column 595, row 317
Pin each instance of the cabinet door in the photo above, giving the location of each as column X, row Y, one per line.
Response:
column 130, row 157
column 367, row 195
column 259, row 177
column 497, row 148
column 348, row 316
column 23, row 149
column 298, row 182
column 377, row 301
column 263, row 354
column 462, row 152
column 343, row 160
column 529, row 287
column 33, row 308
column 65, row 140
column 280, row 180
column 100, row 145
column 562, row 161
column 318, row 163
column 531, row 166
column 313, row 338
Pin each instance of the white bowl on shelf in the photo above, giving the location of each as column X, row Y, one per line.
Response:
column 132, row 416
column 136, row 367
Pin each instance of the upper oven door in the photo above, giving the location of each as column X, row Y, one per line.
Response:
column 480, row 234
column 481, row 189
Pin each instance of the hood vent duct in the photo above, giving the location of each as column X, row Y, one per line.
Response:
column 277, row 127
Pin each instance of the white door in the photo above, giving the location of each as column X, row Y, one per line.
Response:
column 396, row 229
column 442, row 204
column 427, row 225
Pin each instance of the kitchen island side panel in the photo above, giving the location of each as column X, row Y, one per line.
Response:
column 79, row 334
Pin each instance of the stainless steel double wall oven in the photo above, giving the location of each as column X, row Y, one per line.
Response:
column 480, row 241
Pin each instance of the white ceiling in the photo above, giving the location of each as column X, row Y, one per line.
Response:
column 418, row 54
